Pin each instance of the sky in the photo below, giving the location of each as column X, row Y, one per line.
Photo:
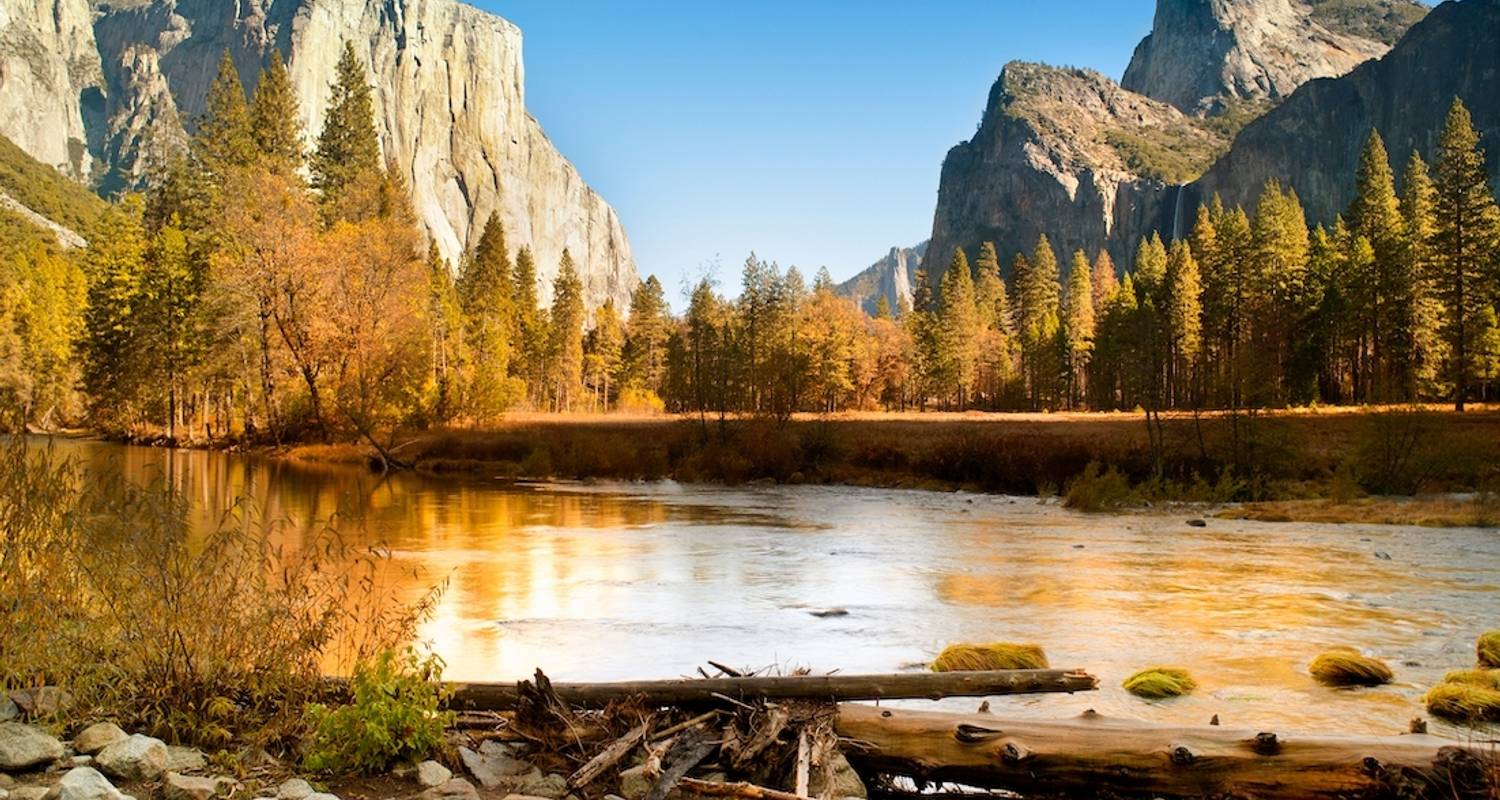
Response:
column 811, row 132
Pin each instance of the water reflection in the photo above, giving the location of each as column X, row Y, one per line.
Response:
column 623, row 581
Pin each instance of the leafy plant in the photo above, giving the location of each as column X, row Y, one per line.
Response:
column 396, row 716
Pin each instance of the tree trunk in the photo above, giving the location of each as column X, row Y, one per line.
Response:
column 1093, row 755
column 695, row 692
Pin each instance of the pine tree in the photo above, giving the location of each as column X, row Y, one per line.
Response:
column 449, row 354
column 1418, row 224
column 603, row 354
column 883, row 308
column 275, row 120
column 1276, row 290
column 1387, row 290
column 921, row 325
column 116, row 263
column 565, row 329
column 1039, row 322
column 1078, row 326
column 346, row 164
column 958, row 330
column 998, row 348
column 1105, row 281
column 1464, row 242
column 224, row 141
column 484, row 293
column 529, row 347
column 169, row 292
column 1184, row 318
column 646, row 337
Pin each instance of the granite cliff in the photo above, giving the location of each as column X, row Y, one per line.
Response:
column 98, row 90
column 892, row 277
column 1095, row 164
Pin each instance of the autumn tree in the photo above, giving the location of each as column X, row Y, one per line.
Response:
column 602, row 355
column 1078, row 326
column 565, row 343
column 646, row 332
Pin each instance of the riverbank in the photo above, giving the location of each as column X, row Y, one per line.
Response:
column 1338, row 454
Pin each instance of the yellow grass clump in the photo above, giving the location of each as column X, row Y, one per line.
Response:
column 1348, row 667
column 1160, row 682
column 982, row 657
column 1466, row 695
column 1489, row 649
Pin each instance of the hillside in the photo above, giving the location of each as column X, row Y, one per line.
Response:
column 37, row 195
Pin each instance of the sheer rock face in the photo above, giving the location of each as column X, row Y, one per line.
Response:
column 892, row 277
column 1203, row 53
column 50, row 81
column 449, row 104
column 1312, row 141
column 1047, row 160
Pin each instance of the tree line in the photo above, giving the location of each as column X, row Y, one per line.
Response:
column 1394, row 302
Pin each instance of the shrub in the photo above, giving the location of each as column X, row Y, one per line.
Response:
column 202, row 637
column 1488, row 649
column 1160, row 682
column 634, row 400
column 395, row 717
column 982, row 657
column 1098, row 491
column 1347, row 667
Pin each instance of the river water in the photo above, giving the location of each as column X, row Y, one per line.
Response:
column 617, row 581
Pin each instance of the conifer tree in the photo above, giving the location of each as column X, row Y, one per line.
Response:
column 1105, row 282
column 997, row 349
column 275, row 120
column 484, row 293
column 883, row 308
column 1465, row 239
column 168, row 308
column 529, row 349
column 1276, row 289
column 1078, row 326
column 1387, row 289
column 647, row 330
column 224, row 141
column 565, row 329
column 1429, row 352
column 115, row 265
column 603, row 354
column 1184, row 319
column 346, row 164
column 449, row 355
column 958, row 330
column 921, row 325
column 1039, row 321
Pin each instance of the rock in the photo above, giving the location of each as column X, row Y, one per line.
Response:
column 322, row 796
column 84, row 783
column 187, row 787
column 845, row 781
column 1197, row 523
column 431, row 774
column 551, row 786
column 892, row 277
column 29, row 793
column 1199, row 53
column 828, row 613
column 23, row 747
column 450, row 108
column 185, row 759
column 6, row 781
column 82, row 761
column 98, row 736
column 525, row 797
column 494, row 767
column 137, row 758
column 8, row 709
column 454, row 789
column 294, row 789
column 634, row 783
column 42, row 701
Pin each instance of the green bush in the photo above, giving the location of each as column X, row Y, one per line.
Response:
column 1160, row 682
column 396, row 716
column 1099, row 490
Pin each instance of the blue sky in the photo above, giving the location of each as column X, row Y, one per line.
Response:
column 811, row 132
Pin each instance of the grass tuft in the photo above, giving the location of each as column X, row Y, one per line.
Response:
column 1488, row 648
column 1347, row 667
column 983, row 657
column 1466, row 695
column 1160, row 682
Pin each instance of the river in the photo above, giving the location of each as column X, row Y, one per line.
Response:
column 615, row 581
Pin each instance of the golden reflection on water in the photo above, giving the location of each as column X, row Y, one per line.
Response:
column 614, row 582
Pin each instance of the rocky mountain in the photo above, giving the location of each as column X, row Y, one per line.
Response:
column 104, row 88
column 1312, row 141
column 1094, row 164
column 1204, row 55
column 892, row 277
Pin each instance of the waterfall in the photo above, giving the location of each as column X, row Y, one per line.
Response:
column 1177, row 212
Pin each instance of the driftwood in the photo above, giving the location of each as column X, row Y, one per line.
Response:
column 718, row 691
column 686, row 752
column 609, row 756
column 745, row 791
column 1091, row 754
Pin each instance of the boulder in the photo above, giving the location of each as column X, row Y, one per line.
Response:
column 187, row 787
column 552, row 787
column 8, row 709
column 23, row 747
column 42, row 701
column 431, row 774
column 494, row 767
column 98, row 736
column 454, row 789
column 29, row 793
column 322, row 796
column 634, row 783
column 137, row 758
column 294, row 789
column 184, row 759
column 85, row 783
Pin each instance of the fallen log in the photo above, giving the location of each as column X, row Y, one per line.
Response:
column 745, row 791
column 714, row 691
column 1095, row 755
